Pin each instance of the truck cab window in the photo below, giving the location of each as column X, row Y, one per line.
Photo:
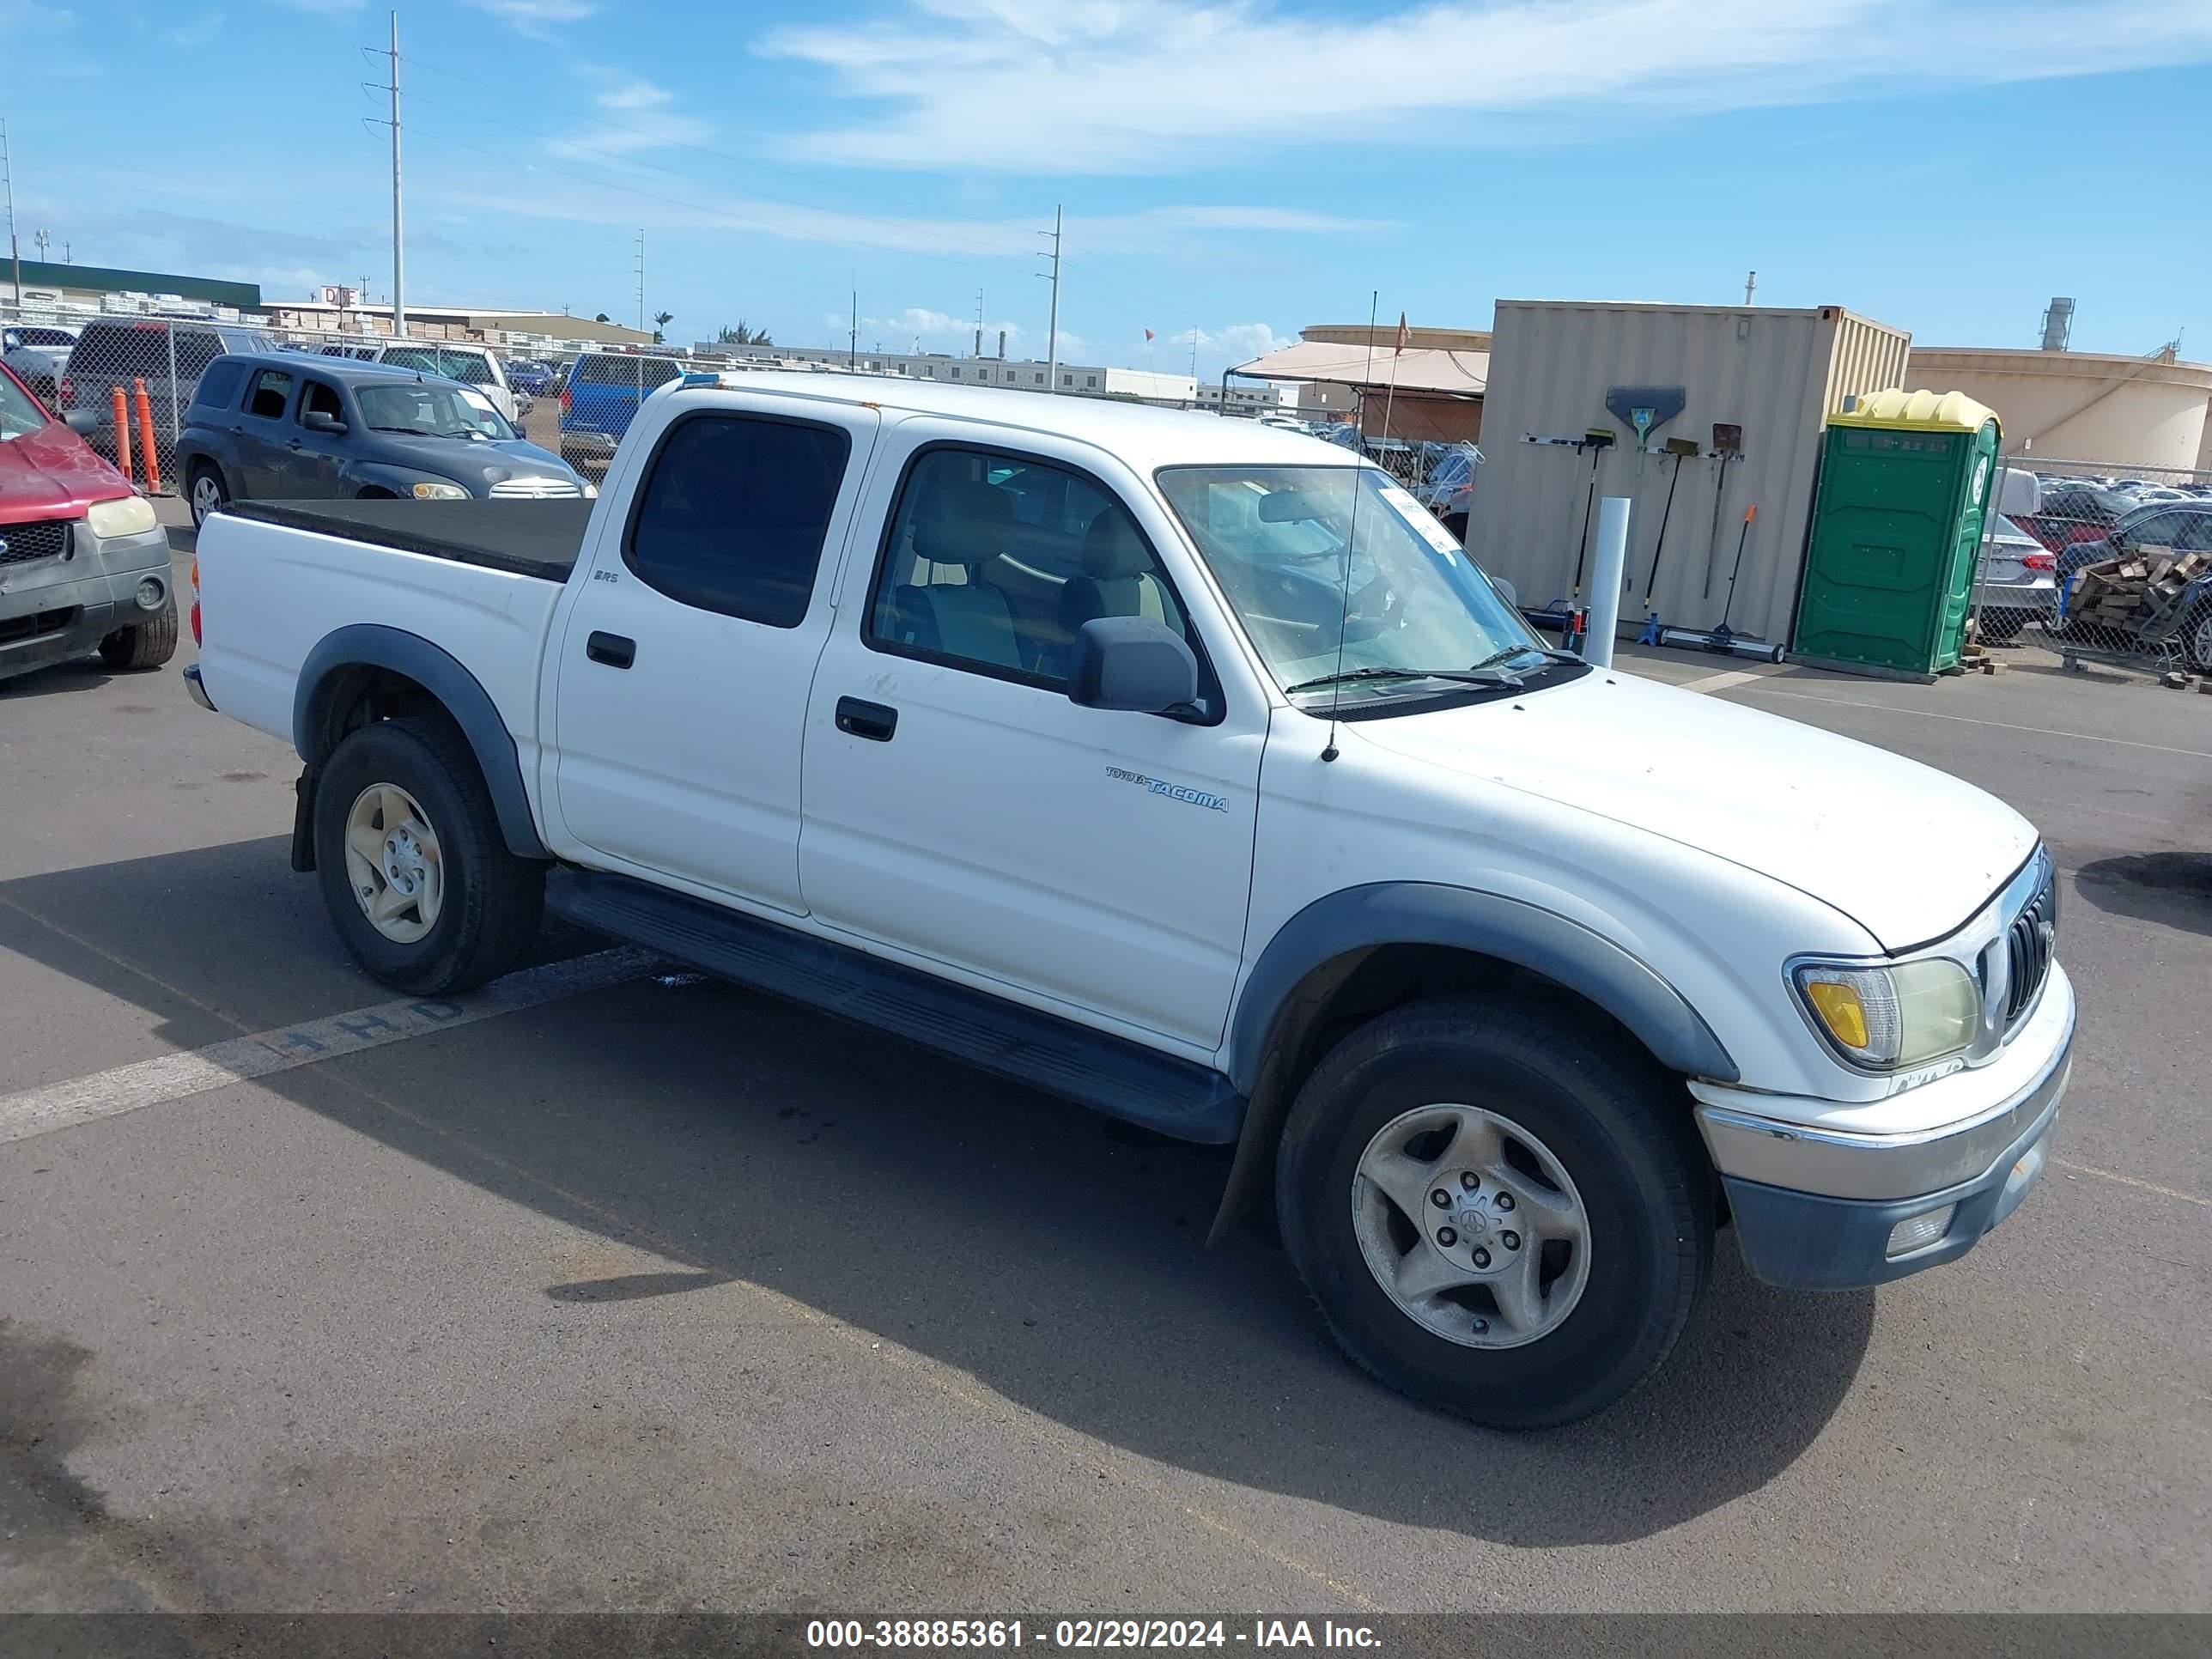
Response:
column 734, row 514
column 994, row 561
column 272, row 390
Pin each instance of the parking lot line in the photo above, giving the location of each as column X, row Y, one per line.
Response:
column 2130, row 1180
column 1969, row 720
column 235, row 1060
column 1711, row 683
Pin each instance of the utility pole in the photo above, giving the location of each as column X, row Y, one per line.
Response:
column 1052, row 329
column 852, row 340
column 979, row 322
column 1750, row 286
column 399, row 223
column 641, row 279
column 8, row 179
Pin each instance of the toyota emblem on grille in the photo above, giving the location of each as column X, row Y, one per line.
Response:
column 4, row 545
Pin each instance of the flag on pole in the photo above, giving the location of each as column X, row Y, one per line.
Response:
column 1402, row 332
column 1148, row 337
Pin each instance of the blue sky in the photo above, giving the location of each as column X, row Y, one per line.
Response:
column 1234, row 168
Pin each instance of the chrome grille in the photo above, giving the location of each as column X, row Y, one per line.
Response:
column 20, row 543
column 2030, row 944
column 537, row 489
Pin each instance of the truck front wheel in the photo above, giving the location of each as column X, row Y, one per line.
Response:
column 1501, row 1211
column 415, row 873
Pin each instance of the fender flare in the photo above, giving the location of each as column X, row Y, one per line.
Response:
column 371, row 645
column 1340, row 928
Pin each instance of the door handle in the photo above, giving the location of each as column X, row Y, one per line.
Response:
column 871, row 720
column 294, row 443
column 615, row 650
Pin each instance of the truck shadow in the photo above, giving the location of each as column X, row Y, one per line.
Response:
column 1001, row 1233
column 2172, row 888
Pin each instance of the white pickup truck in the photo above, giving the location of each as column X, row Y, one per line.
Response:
column 1186, row 768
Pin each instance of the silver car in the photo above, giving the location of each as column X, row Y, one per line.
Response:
column 36, row 351
column 2016, row 585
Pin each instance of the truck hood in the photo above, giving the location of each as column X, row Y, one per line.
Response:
column 53, row 473
column 1907, row 852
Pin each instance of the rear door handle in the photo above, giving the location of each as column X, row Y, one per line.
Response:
column 294, row 442
column 616, row 650
column 871, row 720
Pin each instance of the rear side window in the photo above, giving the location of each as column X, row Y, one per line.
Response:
column 734, row 514
column 606, row 368
column 272, row 390
column 122, row 351
column 218, row 387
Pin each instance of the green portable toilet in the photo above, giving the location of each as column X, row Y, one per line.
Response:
column 1889, row 572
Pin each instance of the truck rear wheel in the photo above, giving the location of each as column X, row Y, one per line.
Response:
column 415, row 873
column 1500, row 1212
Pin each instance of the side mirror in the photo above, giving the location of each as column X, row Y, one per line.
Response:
column 316, row 420
column 1132, row 663
column 82, row 421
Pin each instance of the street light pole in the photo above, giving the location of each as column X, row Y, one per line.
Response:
column 1052, row 331
column 7, row 179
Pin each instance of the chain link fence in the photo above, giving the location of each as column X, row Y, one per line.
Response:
column 2113, row 568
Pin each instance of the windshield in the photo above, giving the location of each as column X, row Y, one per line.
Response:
column 430, row 408
column 1276, row 539
column 19, row 415
column 454, row 365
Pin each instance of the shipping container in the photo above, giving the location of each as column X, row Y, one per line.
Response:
column 1775, row 374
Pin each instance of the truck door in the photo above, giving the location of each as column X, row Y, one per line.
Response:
column 960, row 808
column 680, row 688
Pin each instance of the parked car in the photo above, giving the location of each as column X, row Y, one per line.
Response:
column 2184, row 526
column 267, row 427
column 366, row 354
column 2075, row 512
column 168, row 355
column 471, row 365
column 529, row 376
column 2016, row 584
column 599, row 399
column 37, row 353
column 83, row 565
column 1508, row 981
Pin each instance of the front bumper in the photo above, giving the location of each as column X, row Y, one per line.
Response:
column 60, row 608
column 1815, row 1202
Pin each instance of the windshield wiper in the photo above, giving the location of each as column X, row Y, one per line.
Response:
column 1481, row 674
column 1530, row 651
column 409, row 431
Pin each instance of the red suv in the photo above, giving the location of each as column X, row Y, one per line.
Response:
column 83, row 565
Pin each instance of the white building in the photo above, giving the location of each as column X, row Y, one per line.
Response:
column 1016, row 375
column 1250, row 397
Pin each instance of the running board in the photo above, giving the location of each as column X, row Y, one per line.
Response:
column 1108, row 1073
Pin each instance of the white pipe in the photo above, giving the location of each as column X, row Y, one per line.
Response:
column 1607, row 578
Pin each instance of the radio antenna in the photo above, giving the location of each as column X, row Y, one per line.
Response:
column 1351, row 528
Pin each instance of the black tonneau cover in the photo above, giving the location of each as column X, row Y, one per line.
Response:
column 527, row 539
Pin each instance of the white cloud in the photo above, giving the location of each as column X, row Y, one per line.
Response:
column 640, row 116
column 1161, row 85
column 538, row 19
column 198, row 31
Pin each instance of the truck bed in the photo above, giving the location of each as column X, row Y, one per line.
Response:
column 524, row 539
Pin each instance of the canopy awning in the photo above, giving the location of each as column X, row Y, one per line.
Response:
column 1453, row 373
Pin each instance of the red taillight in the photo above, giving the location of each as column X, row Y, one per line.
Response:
column 66, row 390
column 196, row 623
column 196, row 599
column 2041, row 562
column 565, row 395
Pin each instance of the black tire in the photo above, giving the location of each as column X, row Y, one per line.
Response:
column 2000, row 626
column 493, row 901
column 1619, row 1125
column 209, row 473
column 143, row 645
column 2195, row 637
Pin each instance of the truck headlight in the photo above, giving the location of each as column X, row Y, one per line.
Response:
column 1887, row 1019
column 132, row 515
column 439, row 492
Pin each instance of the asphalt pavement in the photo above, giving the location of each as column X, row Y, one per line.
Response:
column 662, row 1294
